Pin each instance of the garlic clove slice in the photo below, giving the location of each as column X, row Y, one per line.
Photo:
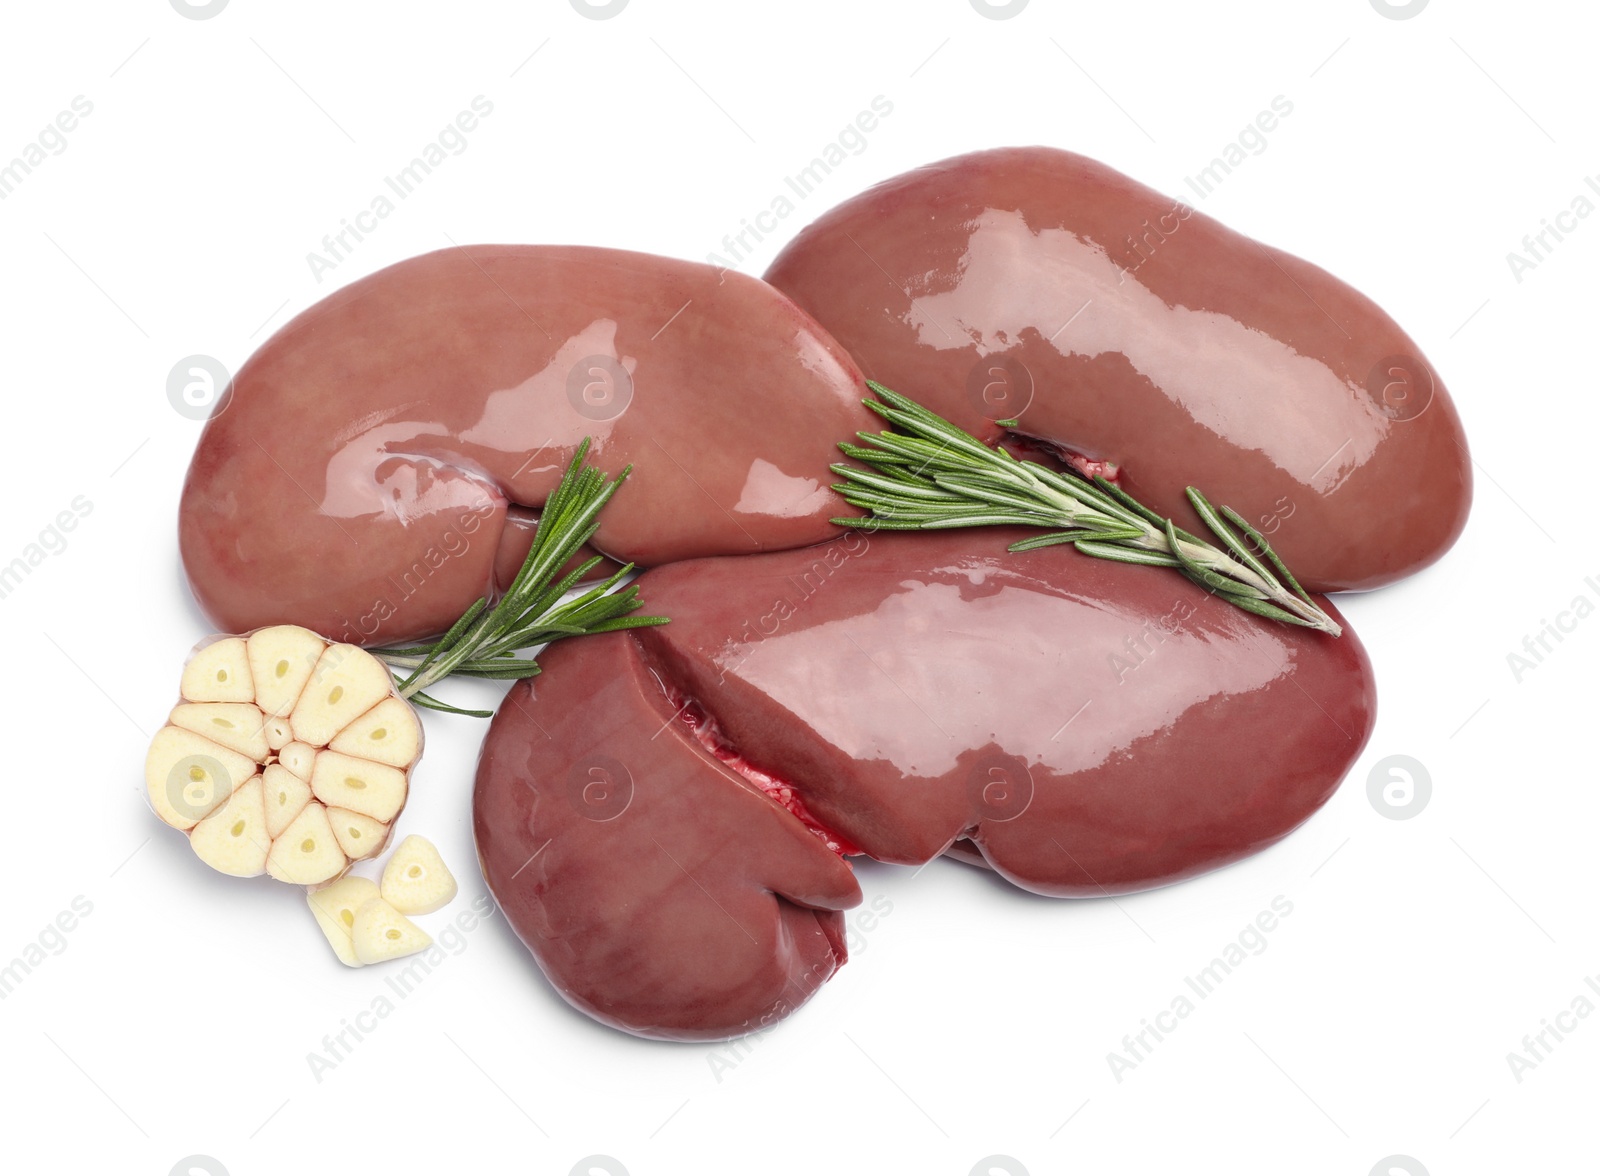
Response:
column 235, row 725
column 347, row 682
column 382, row 933
column 388, row 734
column 415, row 878
column 188, row 776
column 282, row 659
column 219, row 673
column 306, row 852
column 335, row 906
column 234, row 839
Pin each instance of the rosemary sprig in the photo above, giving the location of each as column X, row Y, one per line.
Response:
column 485, row 641
column 926, row 473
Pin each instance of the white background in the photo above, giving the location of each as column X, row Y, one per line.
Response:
column 973, row 1021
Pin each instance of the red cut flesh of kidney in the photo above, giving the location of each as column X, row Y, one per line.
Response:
column 659, row 891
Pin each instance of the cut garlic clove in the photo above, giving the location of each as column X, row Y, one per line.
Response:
column 234, row 839
column 285, row 795
column 235, row 725
column 344, row 781
column 357, row 834
column 188, row 776
column 335, row 907
column 306, row 852
column 382, row 933
column 388, row 733
column 282, row 659
column 347, row 682
column 278, row 732
column 299, row 758
column 219, row 673
column 415, row 879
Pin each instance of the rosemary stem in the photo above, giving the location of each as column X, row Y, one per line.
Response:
column 483, row 642
column 925, row 472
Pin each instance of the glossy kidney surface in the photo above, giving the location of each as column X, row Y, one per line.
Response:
column 658, row 891
column 377, row 464
column 1091, row 726
column 1088, row 727
column 1148, row 341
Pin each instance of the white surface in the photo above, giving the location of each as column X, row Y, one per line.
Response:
column 973, row 1020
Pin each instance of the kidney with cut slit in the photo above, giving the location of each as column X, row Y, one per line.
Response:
column 665, row 826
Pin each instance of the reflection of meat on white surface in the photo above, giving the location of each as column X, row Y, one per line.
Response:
column 1230, row 378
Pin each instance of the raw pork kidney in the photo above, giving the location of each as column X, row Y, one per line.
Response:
column 1150, row 343
column 663, row 825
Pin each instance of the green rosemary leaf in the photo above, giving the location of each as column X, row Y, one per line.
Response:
column 1131, row 555
column 1123, row 498
column 1055, row 537
column 618, row 623
column 394, row 654
column 877, row 457
column 1223, row 531
column 981, row 518
column 887, row 505
column 1264, row 609
column 977, row 487
column 1204, row 576
column 918, row 453
column 1087, row 494
column 498, row 667
column 483, row 643
column 949, row 436
column 877, row 524
column 925, row 473
column 432, row 703
column 510, row 671
column 1237, row 520
column 890, row 485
